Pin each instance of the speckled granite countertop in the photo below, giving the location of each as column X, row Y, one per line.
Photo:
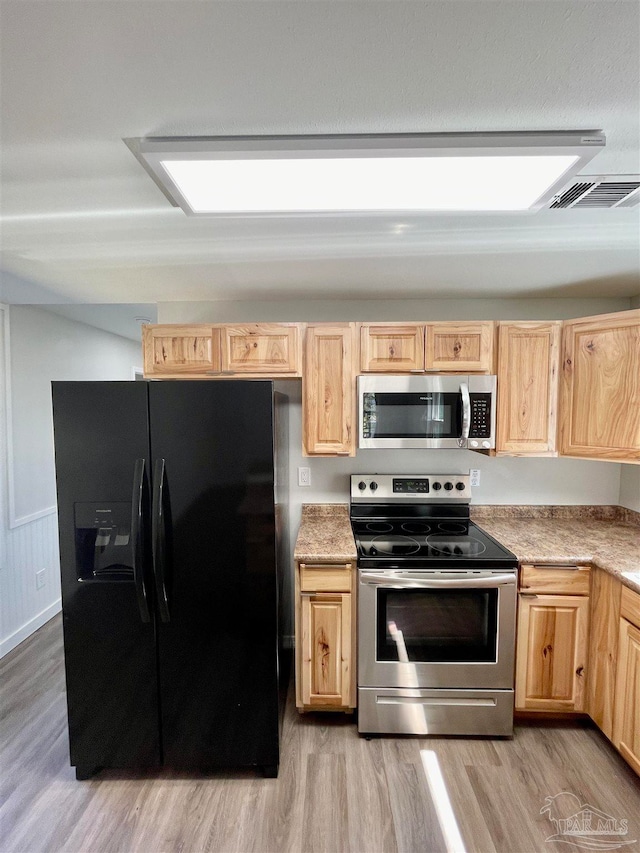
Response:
column 607, row 537
column 325, row 534
column 597, row 535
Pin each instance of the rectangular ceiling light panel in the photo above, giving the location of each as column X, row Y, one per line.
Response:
column 457, row 172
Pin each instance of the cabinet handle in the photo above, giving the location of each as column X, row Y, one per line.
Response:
column 528, row 595
column 559, row 567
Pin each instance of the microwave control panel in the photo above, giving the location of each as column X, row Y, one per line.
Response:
column 480, row 416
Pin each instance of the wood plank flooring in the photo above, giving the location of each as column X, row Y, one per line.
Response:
column 335, row 791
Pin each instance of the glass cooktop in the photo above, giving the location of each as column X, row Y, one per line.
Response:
column 412, row 541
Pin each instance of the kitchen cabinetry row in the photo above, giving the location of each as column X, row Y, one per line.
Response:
column 564, row 387
column 578, row 645
column 578, row 650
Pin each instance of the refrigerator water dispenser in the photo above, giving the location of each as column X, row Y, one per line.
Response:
column 104, row 550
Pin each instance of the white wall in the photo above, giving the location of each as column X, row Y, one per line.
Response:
column 385, row 309
column 42, row 347
column 630, row 487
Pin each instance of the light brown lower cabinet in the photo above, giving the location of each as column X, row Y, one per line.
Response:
column 325, row 637
column 553, row 619
column 626, row 724
column 552, row 652
column 603, row 648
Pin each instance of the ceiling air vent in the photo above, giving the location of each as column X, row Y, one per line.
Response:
column 599, row 191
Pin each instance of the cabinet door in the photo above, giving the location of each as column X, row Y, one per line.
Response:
column 326, row 649
column 268, row 349
column 551, row 654
column 626, row 731
column 600, row 405
column 603, row 648
column 528, row 356
column 180, row 351
column 460, row 347
column 391, row 348
column 328, row 398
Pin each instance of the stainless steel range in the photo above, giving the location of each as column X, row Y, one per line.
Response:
column 436, row 610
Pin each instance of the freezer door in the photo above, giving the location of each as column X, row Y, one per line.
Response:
column 214, row 557
column 102, row 462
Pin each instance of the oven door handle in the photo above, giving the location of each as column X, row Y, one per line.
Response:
column 390, row 582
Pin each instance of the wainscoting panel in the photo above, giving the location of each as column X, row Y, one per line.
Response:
column 29, row 548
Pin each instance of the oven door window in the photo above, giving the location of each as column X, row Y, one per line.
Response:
column 437, row 626
column 432, row 415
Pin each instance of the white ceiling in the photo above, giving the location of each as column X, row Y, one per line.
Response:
column 81, row 218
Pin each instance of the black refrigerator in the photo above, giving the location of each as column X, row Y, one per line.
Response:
column 172, row 525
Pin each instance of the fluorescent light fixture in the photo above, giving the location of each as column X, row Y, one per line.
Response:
column 354, row 174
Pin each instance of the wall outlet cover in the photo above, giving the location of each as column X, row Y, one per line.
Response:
column 304, row 476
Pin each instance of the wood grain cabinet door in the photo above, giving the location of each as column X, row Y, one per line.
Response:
column 460, row 347
column 269, row 349
column 392, row 348
column 626, row 734
column 326, row 649
column 328, row 391
column 551, row 652
column 180, row 351
column 603, row 648
column 528, row 364
column 600, row 402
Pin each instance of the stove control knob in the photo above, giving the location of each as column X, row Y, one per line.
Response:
column 448, row 486
column 362, row 485
column 473, row 443
column 436, row 486
column 460, row 487
column 486, row 444
column 373, row 486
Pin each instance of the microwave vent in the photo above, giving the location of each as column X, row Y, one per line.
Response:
column 599, row 191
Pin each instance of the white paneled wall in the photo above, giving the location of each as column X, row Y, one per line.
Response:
column 39, row 347
column 23, row 608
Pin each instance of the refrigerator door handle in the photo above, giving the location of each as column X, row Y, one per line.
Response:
column 159, row 540
column 137, row 535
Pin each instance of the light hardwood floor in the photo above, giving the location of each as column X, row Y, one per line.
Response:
column 335, row 791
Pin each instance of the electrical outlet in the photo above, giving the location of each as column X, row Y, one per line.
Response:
column 304, row 476
column 41, row 578
column 474, row 477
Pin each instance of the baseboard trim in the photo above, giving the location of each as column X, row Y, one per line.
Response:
column 7, row 645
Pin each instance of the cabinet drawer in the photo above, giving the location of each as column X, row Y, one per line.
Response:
column 569, row 580
column 630, row 606
column 325, row 577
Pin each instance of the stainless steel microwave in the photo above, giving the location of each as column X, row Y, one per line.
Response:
column 427, row 411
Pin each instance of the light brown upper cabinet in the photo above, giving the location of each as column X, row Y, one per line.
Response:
column 180, row 351
column 600, row 397
column 328, row 390
column 272, row 349
column 528, row 366
column 391, row 348
column 422, row 347
column 460, row 347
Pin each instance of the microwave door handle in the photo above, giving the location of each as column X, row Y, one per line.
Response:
column 437, row 583
column 466, row 413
